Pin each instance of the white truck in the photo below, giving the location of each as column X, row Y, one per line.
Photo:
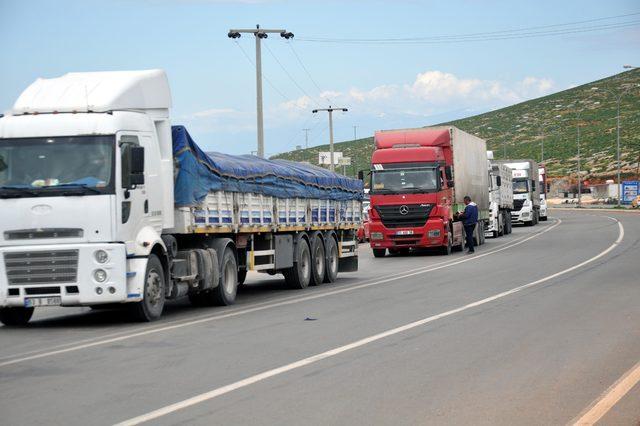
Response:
column 542, row 180
column 500, row 198
column 103, row 203
column 526, row 194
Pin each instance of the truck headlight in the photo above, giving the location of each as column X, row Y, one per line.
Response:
column 101, row 256
column 376, row 236
column 100, row 275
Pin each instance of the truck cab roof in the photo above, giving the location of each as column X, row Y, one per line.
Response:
column 96, row 92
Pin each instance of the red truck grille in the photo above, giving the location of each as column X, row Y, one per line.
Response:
column 404, row 215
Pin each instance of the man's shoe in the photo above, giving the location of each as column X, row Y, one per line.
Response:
column 470, row 252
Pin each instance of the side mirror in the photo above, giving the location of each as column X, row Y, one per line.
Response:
column 448, row 173
column 450, row 183
column 498, row 181
column 361, row 174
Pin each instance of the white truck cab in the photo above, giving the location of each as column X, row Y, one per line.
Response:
column 526, row 195
column 85, row 189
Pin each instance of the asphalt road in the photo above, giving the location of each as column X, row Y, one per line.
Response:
column 532, row 329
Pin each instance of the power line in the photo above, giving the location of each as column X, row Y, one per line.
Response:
column 278, row 91
column 306, row 70
column 489, row 36
column 304, row 92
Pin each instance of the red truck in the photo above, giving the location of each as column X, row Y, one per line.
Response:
column 419, row 178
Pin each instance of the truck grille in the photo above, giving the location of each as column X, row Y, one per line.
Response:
column 41, row 267
column 404, row 215
column 517, row 204
column 29, row 234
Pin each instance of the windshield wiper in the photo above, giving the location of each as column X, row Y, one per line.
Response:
column 82, row 187
column 16, row 192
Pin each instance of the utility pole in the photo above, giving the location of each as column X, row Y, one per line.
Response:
column 330, row 111
column 259, row 33
column 306, row 137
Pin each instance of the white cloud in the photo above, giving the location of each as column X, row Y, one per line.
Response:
column 432, row 92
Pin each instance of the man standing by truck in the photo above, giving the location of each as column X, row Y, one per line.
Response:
column 469, row 217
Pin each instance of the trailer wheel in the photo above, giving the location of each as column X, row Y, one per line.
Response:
column 379, row 252
column 14, row 316
column 299, row 275
column 152, row 304
column 331, row 273
column 318, row 261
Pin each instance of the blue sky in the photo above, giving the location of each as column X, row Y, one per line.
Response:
column 383, row 85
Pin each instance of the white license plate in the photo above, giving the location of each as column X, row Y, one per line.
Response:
column 409, row 232
column 32, row 302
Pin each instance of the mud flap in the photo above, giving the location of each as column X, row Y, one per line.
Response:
column 348, row 264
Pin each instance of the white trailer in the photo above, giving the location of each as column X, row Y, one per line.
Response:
column 117, row 237
column 500, row 198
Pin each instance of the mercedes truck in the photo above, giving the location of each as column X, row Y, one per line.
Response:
column 419, row 178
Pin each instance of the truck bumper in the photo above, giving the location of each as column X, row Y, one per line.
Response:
column 520, row 218
column 62, row 274
column 432, row 234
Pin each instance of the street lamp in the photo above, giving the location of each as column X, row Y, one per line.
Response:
column 618, row 98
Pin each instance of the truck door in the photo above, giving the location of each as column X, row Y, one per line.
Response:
column 132, row 204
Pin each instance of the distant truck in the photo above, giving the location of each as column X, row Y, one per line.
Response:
column 500, row 198
column 542, row 179
column 105, row 203
column 419, row 178
column 526, row 191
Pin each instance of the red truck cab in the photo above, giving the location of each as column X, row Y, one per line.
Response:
column 412, row 192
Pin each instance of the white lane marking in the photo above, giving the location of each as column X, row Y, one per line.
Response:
column 269, row 305
column 610, row 397
column 333, row 352
column 215, row 316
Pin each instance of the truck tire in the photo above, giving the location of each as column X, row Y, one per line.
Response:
column 333, row 260
column 224, row 293
column 152, row 304
column 481, row 232
column 507, row 222
column 446, row 250
column 15, row 316
column 299, row 275
column 379, row 252
column 318, row 261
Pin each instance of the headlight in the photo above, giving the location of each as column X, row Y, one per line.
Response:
column 100, row 275
column 376, row 236
column 101, row 256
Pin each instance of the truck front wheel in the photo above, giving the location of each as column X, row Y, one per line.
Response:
column 379, row 252
column 15, row 315
column 151, row 306
column 446, row 249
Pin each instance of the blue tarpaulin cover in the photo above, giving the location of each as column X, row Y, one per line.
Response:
column 199, row 173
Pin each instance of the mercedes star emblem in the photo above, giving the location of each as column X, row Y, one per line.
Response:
column 404, row 210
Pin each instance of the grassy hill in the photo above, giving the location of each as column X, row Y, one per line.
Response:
column 520, row 130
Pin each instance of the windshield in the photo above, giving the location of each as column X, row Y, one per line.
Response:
column 520, row 186
column 75, row 165
column 404, row 180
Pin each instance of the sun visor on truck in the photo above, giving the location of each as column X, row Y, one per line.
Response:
column 412, row 137
column 199, row 173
